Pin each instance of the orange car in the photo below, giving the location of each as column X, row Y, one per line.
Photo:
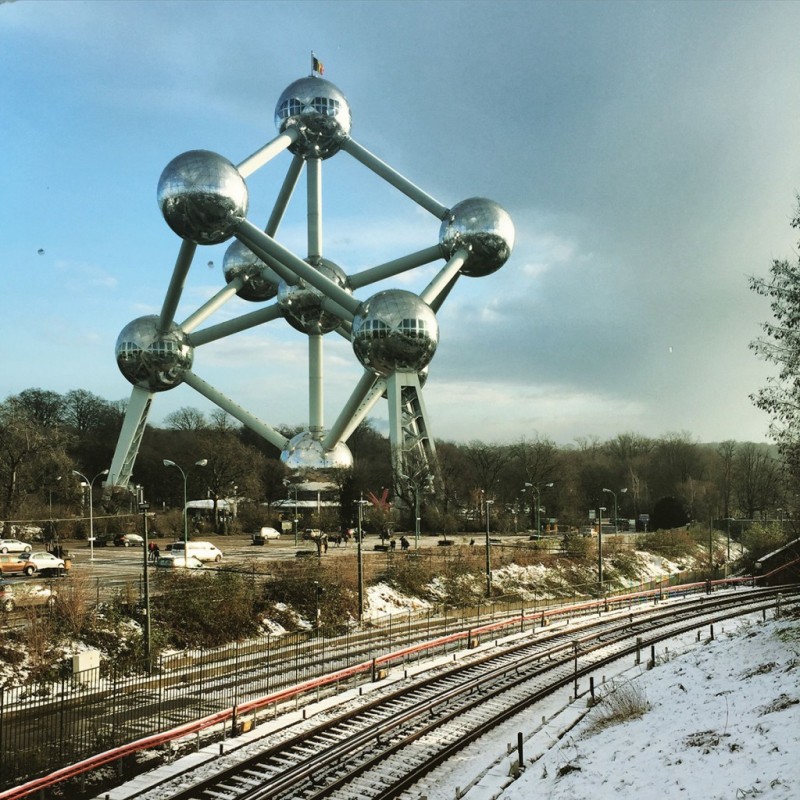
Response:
column 11, row 564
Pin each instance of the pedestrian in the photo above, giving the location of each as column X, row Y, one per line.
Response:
column 404, row 543
column 156, row 552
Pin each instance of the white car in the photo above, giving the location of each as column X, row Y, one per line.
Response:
column 204, row 551
column 14, row 546
column 179, row 562
column 44, row 562
column 264, row 534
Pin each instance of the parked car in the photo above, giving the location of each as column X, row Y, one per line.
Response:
column 44, row 562
column 13, row 595
column 14, row 565
column 204, row 551
column 14, row 546
column 128, row 540
column 264, row 534
column 177, row 562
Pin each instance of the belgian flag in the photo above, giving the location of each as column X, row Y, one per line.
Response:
column 316, row 65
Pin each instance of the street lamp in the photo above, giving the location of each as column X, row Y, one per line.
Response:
column 90, row 484
column 293, row 487
column 415, row 486
column 51, row 532
column 538, row 492
column 616, row 518
column 600, row 548
column 201, row 463
column 143, row 506
column 488, row 562
column 361, row 503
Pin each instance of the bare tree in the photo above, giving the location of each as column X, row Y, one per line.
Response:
column 757, row 478
column 186, row 419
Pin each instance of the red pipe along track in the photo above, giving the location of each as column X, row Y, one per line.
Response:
column 221, row 717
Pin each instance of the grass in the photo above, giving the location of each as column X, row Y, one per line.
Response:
column 623, row 702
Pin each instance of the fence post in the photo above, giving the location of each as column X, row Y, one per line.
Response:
column 2, row 727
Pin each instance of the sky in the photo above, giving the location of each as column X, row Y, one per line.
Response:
column 646, row 152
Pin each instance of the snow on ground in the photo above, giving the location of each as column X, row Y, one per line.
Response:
column 722, row 722
column 383, row 600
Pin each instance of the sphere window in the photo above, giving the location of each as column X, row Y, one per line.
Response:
column 290, row 108
column 129, row 350
column 326, row 105
column 163, row 348
column 414, row 327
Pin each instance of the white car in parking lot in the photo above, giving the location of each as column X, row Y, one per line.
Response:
column 14, row 546
column 179, row 562
column 265, row 534
column 44, row 562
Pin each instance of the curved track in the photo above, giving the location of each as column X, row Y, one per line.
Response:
column 385, row 745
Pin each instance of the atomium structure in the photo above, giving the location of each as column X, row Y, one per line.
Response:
column 394, row 333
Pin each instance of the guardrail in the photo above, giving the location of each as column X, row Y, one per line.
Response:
column 369, row 667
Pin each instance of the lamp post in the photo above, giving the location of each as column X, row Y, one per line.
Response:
column 90, row 484
column 51, row 532
column 538, row 492
column 488, row 561
column 201, row 463
column 600, row 548
column 143, row 506
column 293, row 487
column 415, row 486
column 361, row 504
column 616, row 517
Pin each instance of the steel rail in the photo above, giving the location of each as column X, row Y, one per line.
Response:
column 313, row 762
column 229, row 715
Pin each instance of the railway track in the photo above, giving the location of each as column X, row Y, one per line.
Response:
column 380, row 747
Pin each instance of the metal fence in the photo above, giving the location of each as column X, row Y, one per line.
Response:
column 48, row 725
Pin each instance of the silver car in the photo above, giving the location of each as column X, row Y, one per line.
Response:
column 14, row 546
column 44, row 562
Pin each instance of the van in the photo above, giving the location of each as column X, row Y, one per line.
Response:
column 203, row 551
column 265, row 534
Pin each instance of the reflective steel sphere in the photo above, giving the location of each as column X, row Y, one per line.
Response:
column 202, row 196
column 260, row 281
column 304, row 452
column 485, row 229
column 151, row 360
column 319, row 111
column 395, row 330
column 301, row 304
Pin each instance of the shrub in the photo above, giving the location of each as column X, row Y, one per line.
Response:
column 759, row 540
column 621, row 703
column 199, row 609
column 673, row 545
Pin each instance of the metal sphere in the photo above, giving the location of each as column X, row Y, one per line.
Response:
column 152, row 360
column 260, row 281
column 301, row 304
column 304, row 452
column 485, row 229
column 321, row 114
column 202, row 196
column 395, row 330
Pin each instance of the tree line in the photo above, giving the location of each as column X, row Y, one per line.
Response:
column 45, row 437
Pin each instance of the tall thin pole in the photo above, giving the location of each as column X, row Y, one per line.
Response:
column 201, row 463
column 416, row 516
column 90, row 483
column 488, row 559
column 143, row 506
column 600, row 549
column 360, row 564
